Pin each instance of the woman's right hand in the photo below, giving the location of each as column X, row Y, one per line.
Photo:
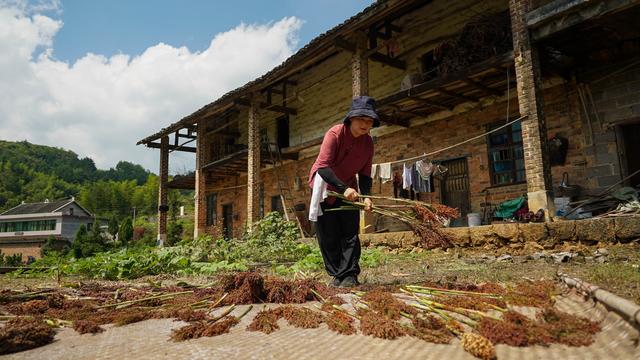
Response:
column 351, row 194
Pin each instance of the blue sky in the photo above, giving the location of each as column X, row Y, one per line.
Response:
column 131, row 26
column 96, row 76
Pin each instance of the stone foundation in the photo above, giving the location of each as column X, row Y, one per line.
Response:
column 543, row 235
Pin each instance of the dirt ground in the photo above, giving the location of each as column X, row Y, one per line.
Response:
column 617, row 272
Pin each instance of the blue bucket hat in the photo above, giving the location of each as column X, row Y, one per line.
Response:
column 362, row 106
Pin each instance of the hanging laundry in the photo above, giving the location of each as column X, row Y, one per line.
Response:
column 440, row 170
column 417, row 183
column 406, row 176
column 425, row 168
column 397, row 184
column 385, row 172
column 374, row 168
column 429, row 184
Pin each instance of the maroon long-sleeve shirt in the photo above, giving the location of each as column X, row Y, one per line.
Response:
column 345, row 155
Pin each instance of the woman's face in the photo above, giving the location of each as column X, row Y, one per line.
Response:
column 360, row 125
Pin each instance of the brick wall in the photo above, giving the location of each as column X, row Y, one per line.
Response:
column 322, row 97
column 30, row 249
column 561, row 111
column 616, row 96
column 429, row 137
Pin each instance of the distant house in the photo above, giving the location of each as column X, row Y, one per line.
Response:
column 26, row 227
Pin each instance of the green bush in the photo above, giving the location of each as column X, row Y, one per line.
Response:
column 273, row 239
column 13, row 260
column 86, row 243
column 125, row 234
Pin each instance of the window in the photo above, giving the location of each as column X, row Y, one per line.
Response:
column 22, row 226
column 429, row 66
column 276, row 204
column 212, row 204
column 506, row 156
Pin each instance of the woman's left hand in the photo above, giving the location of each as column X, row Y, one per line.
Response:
column 368, row 204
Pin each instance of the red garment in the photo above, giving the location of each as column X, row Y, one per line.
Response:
column 345, row 155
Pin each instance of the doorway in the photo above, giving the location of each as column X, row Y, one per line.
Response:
column 454, row 189
column 227, row 220
column 629, row 149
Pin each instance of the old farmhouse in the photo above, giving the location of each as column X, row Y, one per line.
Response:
column 26, row 228
column 508, row 96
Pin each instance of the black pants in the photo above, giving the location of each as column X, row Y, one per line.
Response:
column 337, row 233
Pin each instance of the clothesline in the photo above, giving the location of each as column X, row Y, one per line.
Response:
column 455, row 145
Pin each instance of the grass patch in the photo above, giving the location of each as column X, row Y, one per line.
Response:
column 617, row 276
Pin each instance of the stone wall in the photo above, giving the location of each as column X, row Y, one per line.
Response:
column 599, row 231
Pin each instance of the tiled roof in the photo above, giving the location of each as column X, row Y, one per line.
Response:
column 36, row 208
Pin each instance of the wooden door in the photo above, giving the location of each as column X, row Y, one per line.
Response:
column 628, row 152
column 455, row 188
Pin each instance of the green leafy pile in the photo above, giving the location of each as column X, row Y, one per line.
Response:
column 273, row 243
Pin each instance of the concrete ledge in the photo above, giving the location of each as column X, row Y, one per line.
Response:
column 545, row 235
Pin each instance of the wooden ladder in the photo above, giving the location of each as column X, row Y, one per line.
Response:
column 283, row 185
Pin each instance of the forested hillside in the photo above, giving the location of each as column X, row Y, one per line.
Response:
column 33, row 173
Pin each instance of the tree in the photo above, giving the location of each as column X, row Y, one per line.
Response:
column 81, row 238
column 126, row 231
column 48, row 246
column 88, row 243
column 113, row 226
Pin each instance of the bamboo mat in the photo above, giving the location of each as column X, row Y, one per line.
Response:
column 150, row 340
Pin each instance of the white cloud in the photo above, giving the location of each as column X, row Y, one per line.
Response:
column 100, row 106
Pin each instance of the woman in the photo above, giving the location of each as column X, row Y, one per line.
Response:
column 346, row 150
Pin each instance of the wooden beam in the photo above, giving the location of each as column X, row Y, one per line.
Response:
column 442, row 81
column 241, row 102
column 456, row 95
column 227, row 159
column 221, row 127
column 268, row 107
column 297, row 148
column 272, row 90
column 392, row 27
column 279, row 108
column 344, row 44
column 392, row 119
column 187, row 136
column 411, row 113
column 154, row 145
column 482, row 87
column 431, row 103
column 387, row 60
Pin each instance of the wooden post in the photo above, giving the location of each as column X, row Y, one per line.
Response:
column 534, row 129
column 360, row 67
column 253, row 166
column 360, row 87
column 200, row 211
column 162, row 191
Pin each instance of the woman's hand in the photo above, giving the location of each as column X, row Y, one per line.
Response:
column 368, row 204
column 351, row 194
